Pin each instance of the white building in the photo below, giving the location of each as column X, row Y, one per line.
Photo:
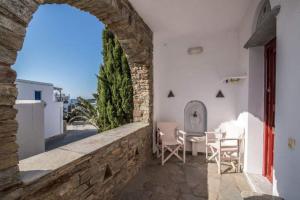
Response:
column 53, row 109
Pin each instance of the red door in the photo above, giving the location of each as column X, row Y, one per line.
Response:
column 270, row 75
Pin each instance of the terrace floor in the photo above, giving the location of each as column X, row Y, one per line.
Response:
column 73, row 134
column 194, row 180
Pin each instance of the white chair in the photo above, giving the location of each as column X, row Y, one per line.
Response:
column 225, row 144
column 171, row 139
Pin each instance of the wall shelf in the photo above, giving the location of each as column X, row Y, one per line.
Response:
column 234, row 79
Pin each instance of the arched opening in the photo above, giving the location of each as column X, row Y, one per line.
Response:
column 119, row 16
column 57, row 64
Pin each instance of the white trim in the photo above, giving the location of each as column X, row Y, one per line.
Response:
column 33, row 82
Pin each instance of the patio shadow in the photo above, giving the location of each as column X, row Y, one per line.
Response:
column 174, row 180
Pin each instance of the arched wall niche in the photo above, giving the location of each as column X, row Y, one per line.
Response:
column 195, row 117
column 119, row 16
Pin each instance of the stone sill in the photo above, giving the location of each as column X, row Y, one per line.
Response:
column 35, row 167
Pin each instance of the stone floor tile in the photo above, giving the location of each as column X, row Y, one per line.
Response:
column 196, row 179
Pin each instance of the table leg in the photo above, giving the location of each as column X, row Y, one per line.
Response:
column 194, row 149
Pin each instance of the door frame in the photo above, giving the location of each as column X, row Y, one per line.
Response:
column 269, row 132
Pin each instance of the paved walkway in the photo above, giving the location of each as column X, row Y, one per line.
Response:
column 195, row 180
column 68, row 137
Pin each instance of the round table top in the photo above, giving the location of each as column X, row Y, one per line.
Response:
column 197, row 138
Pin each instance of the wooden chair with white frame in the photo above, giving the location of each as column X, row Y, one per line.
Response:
column 225, row 145
column 171, row 139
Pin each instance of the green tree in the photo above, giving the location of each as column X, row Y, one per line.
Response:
column 114, row 97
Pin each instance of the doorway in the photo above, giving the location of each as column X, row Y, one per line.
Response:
column 269, row 125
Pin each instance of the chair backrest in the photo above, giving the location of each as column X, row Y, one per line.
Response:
column 234, row 130
column 231, row 129
column 169, row 130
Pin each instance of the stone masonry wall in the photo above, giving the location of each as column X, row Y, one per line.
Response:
column 121, row 18
column 100, row 174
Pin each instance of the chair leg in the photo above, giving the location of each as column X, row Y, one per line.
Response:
column 239, row 158
column 206, row 153
column 219, row 161
column 173, row 152
column 213, row 155
column 183, row 153
column 158, row 151
column 162, row 155
column 233, row 166
column 239, row 163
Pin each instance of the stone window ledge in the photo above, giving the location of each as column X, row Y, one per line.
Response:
column 35, row 167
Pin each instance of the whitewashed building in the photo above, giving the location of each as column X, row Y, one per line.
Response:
column 53, row 109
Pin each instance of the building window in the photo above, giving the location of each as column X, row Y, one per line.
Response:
column 38, row 95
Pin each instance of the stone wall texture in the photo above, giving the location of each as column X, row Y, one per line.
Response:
column 100, row 174
column 120, row 17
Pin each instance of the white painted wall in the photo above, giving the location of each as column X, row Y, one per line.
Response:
column 251, row 94
column 53, row 110
column 53, row 119
column 287, row 161
column 195, row 77
column 30, row 135
column 198, row 77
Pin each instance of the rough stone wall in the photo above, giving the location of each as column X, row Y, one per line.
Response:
column 98, row 175
column 135, row 38
column 142, row 78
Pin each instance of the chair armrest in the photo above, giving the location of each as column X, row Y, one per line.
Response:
column 182, row 132
column 212, row 132
column 160, row 135
column 230, row 139
column 181, row 135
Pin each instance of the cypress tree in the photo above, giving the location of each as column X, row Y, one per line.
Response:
column 114, row 85
column 114, row 96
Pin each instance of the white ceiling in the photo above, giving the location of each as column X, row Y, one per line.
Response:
column 181, row 17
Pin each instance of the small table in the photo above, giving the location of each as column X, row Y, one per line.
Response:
column 196, row 141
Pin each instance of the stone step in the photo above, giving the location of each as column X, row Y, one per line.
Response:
column 247, row 195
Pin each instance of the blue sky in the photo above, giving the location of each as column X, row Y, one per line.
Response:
column 62, row 46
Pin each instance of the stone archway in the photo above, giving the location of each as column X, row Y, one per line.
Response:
column 120, row 17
